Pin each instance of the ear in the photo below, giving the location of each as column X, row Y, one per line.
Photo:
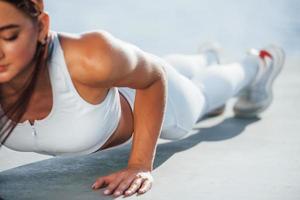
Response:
column 43, row 25
column 39, row 4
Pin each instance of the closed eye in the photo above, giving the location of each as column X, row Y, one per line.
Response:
column 11, row 38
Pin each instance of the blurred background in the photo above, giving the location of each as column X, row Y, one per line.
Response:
column 169, row 26
column 232, row 159
column 180, row 26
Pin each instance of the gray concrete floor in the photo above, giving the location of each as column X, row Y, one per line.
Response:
column 222, row 158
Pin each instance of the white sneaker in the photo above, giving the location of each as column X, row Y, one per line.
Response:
column 258, row 96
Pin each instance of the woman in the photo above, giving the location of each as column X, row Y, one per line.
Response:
column 98, row 92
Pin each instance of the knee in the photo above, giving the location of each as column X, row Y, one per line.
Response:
column 174, row 132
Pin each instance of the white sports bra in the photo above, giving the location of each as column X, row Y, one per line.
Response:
column 74, row 126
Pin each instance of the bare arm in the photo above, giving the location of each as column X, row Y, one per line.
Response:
column 110, row 62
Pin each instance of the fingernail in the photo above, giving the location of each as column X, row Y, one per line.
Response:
column 128, row 192
column 106, row 191
column 117, row 193
column 93, row 186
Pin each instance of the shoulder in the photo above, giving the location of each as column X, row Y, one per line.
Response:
column 96, row 52
column 88, row 45
column 99, row 59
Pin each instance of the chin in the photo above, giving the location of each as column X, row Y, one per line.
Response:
column 5, row 77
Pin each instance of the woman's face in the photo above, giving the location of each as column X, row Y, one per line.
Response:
column 18, row 41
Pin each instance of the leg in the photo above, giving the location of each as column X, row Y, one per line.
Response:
column 189, row 100
column 190, row 65
column 220, row 83
column 187, row 65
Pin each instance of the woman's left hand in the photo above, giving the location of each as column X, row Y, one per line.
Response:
column 125, row 182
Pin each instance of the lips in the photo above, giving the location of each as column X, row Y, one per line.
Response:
column 3, row 68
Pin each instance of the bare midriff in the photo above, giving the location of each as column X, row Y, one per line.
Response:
column 125, row 127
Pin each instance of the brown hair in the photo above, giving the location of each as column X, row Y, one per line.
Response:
column 17, row 110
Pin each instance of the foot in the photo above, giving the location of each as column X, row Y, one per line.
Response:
column 212, row 52
column 258, row 96
column 216, row 112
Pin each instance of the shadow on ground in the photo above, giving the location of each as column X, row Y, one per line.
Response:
column 71, row 178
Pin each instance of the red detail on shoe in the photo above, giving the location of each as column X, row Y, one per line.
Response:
column 264, row 53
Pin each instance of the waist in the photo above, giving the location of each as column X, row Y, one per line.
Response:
column 125, row 127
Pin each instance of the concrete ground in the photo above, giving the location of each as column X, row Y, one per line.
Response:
column 222, row 158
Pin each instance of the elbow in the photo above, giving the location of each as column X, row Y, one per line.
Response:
column 163, row 75
column 161, row 65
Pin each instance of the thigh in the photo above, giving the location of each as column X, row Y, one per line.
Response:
column 186, row 65
column 185, row 105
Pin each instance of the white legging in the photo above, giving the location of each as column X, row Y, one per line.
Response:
column 195, row 89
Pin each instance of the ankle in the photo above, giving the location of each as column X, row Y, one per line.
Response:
column 211, row 58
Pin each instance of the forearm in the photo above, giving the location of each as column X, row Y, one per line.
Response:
column 149, row 111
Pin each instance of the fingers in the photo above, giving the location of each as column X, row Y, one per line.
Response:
column 123, row 186
column 146, row 186
column 136, row 184
column 125, row 183
column 112, row 186
column 130, row 185
column 100, row 182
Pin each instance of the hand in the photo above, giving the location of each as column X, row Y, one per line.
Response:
column 125, row 182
